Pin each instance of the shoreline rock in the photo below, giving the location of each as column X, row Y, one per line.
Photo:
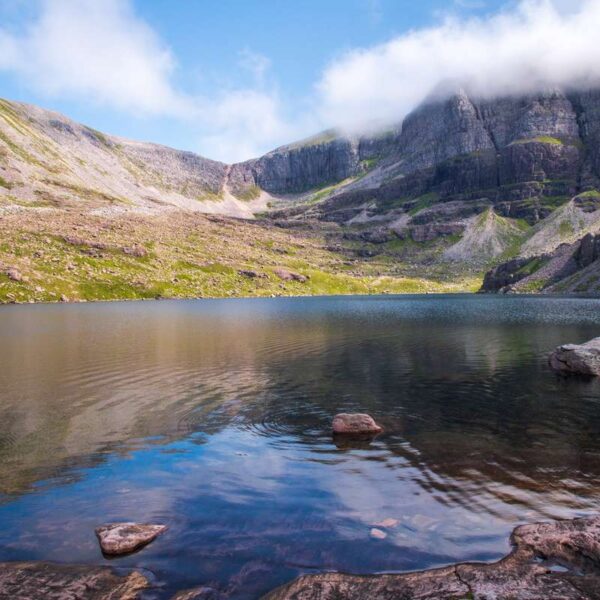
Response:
column 123, row 538
column 28, row 580
column 581, row 359
column 355, row 424
column 550, row 561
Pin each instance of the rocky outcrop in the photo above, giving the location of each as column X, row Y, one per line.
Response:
column 355, row 424
column 553, row 561
column 300, row 167
column 571, row 268
column 30, row 580
column 505, row 275
column 290, row 275
column 580, row 359
column 124, row 538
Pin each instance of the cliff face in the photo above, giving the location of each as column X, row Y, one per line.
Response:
column 520, row 153
column 319, row 161
column 531, row 164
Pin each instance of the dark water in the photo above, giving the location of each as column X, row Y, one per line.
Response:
column 213, row 417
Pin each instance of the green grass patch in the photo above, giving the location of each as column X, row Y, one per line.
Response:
column 540, row 139
column 423, row 202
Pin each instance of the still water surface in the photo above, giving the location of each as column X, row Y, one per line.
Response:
column 214, row 418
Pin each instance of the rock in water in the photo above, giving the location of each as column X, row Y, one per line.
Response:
column 122, row 538
column 377, row 534
column 355, row 424
column 583, row 359
column 387, row 523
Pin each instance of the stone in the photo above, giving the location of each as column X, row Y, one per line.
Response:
column 14, row 274
column 123, row 538
column 377, row 534
column 527, row 573
column 290, row 276
column 250, row 274
column 387, row 523
column 582, row 359
column 137, row 251
column 357, row 424
column 30, row 580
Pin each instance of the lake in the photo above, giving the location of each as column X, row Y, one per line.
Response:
column 213, row 417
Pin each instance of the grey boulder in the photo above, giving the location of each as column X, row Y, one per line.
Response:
column 583, row 359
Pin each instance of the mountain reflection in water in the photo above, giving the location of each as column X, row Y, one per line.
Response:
column 214, row 417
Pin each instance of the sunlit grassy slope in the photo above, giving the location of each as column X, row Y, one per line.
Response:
column 76, row 256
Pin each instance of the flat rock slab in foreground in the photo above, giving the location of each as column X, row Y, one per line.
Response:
column 583, row 359
column 527, row 573
column 355, row 424
column 123, row 538
column 32, row 580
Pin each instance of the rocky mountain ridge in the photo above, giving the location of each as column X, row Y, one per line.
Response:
column 461, row 186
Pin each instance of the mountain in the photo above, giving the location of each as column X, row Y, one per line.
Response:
column 462, row 185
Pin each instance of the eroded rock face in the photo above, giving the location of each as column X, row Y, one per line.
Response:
column 123, row 538
column 583, row 359
column 526, row 574
column 30, row 580
column 355, row 424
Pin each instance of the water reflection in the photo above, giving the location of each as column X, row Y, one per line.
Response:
column 214, row 417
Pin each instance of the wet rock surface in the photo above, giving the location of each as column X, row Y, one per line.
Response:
column 31, row 580
column 550, row 561
column 123, row 538
column 581, row 359
column 354, row 424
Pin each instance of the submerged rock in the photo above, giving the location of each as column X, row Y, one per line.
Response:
column 527, row 573
column 387, row 523
column 28, row 580
column 378, row 534
column 355, row 424
column 583, row 359
column 122, row 538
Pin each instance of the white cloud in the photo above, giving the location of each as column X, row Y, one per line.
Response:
column 538, row 44
column 97, row 51
column 245, row 123
column 101, row 52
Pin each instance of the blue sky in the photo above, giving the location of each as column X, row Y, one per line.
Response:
column 234, row 78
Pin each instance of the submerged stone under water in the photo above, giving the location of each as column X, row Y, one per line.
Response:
column 214, row 418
